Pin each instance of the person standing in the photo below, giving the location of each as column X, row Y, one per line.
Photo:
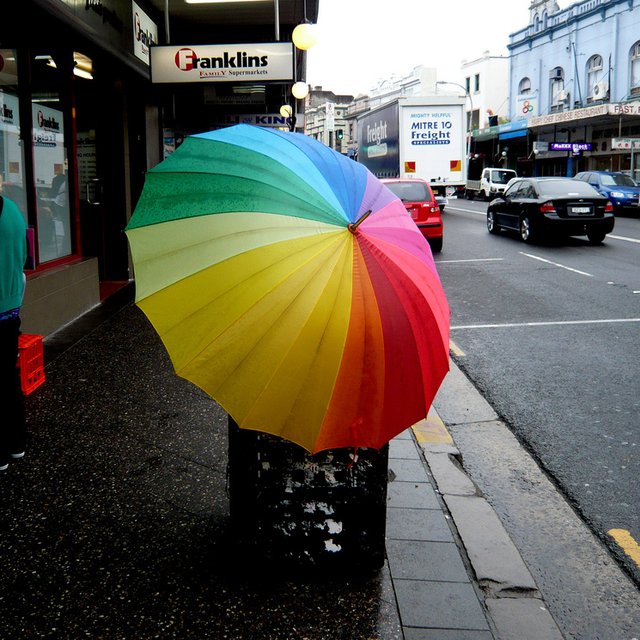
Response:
column 13, row 255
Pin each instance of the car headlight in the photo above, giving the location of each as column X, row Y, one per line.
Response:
column 617, row 194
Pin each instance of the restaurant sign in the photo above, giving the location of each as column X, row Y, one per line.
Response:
column 625, row 143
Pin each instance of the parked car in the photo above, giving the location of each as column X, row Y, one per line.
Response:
column 621, row 190
column 418, row 198
column 539, row 207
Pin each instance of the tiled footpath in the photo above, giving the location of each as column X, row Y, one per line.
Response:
column 436, row 598
column 456, row 573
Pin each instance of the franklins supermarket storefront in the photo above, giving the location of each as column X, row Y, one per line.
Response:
column 81, row 121
column 77, row 132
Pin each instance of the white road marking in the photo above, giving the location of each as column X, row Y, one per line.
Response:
column 479, row 213
column 610, row 235
column 469, row 260
column 542, row 324
column 556, row 264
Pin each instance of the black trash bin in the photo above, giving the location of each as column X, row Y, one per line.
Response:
column 325, row 511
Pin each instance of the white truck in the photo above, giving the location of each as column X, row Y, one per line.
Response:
column 422, row 137
column 492, row 181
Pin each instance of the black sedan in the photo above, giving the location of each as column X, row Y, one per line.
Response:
column 542, row 207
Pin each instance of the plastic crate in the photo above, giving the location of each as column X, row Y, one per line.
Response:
column 30, row 362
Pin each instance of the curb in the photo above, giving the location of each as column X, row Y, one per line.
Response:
column 512, row 599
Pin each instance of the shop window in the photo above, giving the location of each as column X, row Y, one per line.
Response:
column 634, row 88
column 524, row 86
column 50, row 160
column 12, row 168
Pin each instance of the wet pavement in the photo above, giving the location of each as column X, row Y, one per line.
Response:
column 116, row 523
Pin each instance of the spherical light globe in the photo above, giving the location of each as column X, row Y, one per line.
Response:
column 305, row 36
column 286, row 111
column 300, row 90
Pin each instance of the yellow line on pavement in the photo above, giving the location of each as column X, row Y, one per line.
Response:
column 626, row 542
column 432, row 430
column 455, row 349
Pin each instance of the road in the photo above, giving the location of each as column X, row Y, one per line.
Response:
column 549, row 334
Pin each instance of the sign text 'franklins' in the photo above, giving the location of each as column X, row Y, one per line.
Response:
column 222, row 63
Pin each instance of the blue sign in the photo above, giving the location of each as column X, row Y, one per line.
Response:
column 570, row 146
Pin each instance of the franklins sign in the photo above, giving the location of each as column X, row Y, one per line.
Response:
column 222, row 63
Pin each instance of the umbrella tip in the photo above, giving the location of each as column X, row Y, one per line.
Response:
column 354, row 225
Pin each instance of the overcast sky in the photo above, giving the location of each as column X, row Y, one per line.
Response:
column 363, row 41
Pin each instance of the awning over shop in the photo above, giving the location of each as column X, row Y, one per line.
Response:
column 515, row 129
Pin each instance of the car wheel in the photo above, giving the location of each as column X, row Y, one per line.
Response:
column 526, row 231
column 596, row 237
column 469, row 194
column 436, row 245
column 492, row 226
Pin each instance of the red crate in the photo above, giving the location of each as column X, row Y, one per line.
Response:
column 30, row 362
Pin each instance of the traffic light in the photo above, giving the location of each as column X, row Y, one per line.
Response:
column 339, row 134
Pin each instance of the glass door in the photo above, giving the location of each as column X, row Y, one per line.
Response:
column 100, row 152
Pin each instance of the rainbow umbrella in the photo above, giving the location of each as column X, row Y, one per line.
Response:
column 290, row 285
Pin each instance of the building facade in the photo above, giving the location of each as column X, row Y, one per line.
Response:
column 326, row 119
column 486, row 83
column 575, row 82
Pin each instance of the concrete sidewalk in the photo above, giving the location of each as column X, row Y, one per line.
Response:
column 116, row 525
column 455, row 571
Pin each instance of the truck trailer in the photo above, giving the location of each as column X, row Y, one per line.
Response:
column 422, row 137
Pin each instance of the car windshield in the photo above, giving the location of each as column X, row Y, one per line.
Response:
column 566, row 187
column 410, row 191
column 502, row 177
column 617, row 179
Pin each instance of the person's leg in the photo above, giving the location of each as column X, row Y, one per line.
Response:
column 12, row 415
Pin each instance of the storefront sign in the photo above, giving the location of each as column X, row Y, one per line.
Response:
column 575, row 147
column 526, row 107
column 625, row 108
column 145, row 33
column 614, row 109
column 222, row 63
column 625, row 143
column 262, row 120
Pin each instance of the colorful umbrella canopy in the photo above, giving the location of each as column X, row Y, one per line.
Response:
column 289, row 284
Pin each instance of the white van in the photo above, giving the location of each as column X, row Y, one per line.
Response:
column 493, row 181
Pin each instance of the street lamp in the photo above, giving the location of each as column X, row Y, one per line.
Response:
column 469, row 119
